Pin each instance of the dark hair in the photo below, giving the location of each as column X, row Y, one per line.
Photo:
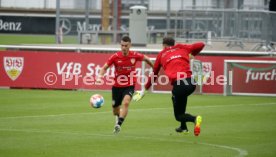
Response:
column 126, row 39
column 168, row 41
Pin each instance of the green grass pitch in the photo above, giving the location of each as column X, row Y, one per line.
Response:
column 55, row 123
column 15, row 39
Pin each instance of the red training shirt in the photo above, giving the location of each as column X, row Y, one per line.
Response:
column 175, row 61
column 125, row 73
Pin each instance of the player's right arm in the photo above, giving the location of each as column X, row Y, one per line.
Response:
column 101, row 73
column 105, row 67
column 156, row 69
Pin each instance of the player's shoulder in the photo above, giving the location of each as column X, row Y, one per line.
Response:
column 135, row 53
column 189, row 46
column 116, row 54
column 181, row 46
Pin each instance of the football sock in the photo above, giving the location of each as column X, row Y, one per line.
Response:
column 116, row 119
column 189, row 117
column 183, row 126
column 121, row 120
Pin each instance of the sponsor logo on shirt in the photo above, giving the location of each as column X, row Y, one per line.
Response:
column 173, row 57
column 132, row 60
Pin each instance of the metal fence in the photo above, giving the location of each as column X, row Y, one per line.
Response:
column 233, row 26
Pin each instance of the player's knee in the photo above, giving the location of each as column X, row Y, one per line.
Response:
column 178, row 118
column 126, row 103
column 116, row 111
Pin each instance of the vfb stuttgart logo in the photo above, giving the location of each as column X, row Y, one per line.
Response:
column 13, row 66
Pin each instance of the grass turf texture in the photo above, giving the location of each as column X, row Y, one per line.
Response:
column 62, row 124
column 15, row 39
column 18, row 39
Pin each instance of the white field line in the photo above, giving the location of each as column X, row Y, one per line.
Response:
column 133, row 110
column 241, row 152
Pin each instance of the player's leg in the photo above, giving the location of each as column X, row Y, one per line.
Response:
column 181, row 91
column 179, row 108
column 116, row 102
column 124, row 109
column 116, row 113
column 184, row 89
column 190, row 88
column 127, row 95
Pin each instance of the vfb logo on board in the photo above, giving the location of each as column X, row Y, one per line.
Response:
column 13, row 66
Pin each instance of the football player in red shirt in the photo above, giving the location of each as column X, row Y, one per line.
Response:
column 175, row 60
column 125, row 79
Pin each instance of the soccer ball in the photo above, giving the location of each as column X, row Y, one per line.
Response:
column 96, row 101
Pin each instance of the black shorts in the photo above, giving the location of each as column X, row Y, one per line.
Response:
column 184, row 87
column 118, row 94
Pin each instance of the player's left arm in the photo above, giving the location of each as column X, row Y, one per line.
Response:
column 148, row 61
column 193, row 49
column 196, row 48
column 140, row 94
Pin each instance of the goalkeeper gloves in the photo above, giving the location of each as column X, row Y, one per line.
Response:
column 138, row 95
